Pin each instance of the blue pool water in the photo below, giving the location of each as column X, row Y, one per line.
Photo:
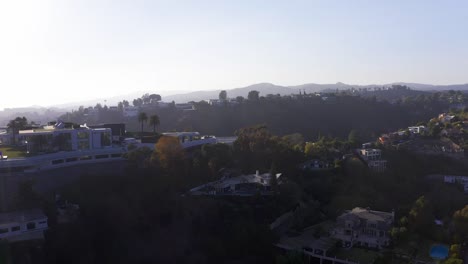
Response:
column 439, row 251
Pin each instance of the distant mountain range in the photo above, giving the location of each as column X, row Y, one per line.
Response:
column 269, row 88
column 113, row 100
column 263, row 88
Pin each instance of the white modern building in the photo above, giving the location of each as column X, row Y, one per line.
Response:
column 370, row 154
column 373, row 158
column 417, row 129
column 23, row 225
column 54, row 138
column 377, row 165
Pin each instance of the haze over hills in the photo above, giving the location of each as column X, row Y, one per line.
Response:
column 112, row 100
column 263, row 88
column 269, row 88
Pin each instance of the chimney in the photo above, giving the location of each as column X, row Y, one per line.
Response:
column 257, row 173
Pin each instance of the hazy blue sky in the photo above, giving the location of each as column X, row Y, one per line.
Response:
column 61, row 51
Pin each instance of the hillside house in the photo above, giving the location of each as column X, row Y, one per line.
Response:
column 244, row 185
column 373, row 158
column 445, row 118
column 316, row 164
column 453, row 179
column 364, row 227
column 370, row 154
column 416, row 129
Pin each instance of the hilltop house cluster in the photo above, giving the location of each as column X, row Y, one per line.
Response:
column 447, row 132
column 133, row 111
column 400, row 137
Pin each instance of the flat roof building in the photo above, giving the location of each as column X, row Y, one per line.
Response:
column 23, row 225
column 52, row 139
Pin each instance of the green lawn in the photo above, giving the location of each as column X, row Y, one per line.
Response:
column 13, row 151
column 356, row 254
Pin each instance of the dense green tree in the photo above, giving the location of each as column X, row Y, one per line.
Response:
column 169, row 154
column 156, row 97
column 17, row 124
column 137, row 102
column 223, row 95
column 27, row 197
column 256, row 148
column 453, row 261
column 354, row 138
column 139, row 157
column 421, row 218
column 461, row 221
column 253, row 95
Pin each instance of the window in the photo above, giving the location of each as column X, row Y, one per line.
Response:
column 86, row 158
column 71, row 159
column 3, row 230
column 118, row 155
column 105, row 139
column 42, row 222
column 15, row 228
column 101, row 156
column 82, row 135
column 31, row 225
column 83, row 144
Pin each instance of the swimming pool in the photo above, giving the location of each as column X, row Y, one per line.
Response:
column 439, row 251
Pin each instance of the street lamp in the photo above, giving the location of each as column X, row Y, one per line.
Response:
column 27, row 146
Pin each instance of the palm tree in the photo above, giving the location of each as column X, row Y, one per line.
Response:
column 154, row 121
column 142, row 118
